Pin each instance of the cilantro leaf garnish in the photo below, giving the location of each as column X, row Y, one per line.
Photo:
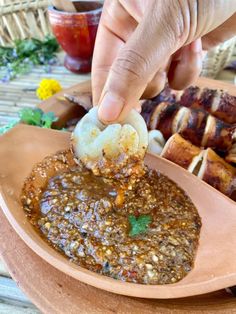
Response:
column 36, row 116
column 31, row 116
column 139, row 225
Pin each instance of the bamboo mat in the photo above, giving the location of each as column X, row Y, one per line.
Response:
column 20, row 92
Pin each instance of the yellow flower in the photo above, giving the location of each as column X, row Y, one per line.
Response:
column 47, row 88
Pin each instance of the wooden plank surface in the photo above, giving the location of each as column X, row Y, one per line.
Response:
column 21, row 92
column 3, row 270
column 12, row 299
column 11, row 307
column 9, row 290
column 13, row 96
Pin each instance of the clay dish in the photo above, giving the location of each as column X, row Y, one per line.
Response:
column 215, row 267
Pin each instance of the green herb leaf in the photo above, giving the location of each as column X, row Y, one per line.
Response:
column 36, row 116
column 47, row 119
column 26, row 47
column 26, row 53
column 139, row 225
column 31, row 116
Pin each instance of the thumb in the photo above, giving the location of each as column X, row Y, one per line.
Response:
column 139, row 61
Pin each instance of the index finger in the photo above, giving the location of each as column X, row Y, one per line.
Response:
column 115, row 27
column 106, row 48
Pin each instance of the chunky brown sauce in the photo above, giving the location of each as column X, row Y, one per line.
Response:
column 146, row 232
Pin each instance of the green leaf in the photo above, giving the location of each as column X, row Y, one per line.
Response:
column 25, row 47
column 47, row 119
column 139, row 225
column 31, row 116
column 25, row 54
column 36, row 116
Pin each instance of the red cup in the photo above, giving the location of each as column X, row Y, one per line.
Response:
column 76, row 33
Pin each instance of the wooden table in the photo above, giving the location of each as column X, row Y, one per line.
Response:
column 14, row 95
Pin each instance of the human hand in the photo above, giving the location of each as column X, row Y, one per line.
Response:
column 141, row 43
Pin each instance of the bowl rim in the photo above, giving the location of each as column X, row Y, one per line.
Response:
column 52, row 9
column 60, row 262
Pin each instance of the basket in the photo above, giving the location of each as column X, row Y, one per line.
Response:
column 20, row 19
column 217, row 58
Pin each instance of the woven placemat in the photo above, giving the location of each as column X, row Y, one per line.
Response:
column 20, row 92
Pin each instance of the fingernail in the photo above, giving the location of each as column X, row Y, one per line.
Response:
column 196, row 45
column 110, row 107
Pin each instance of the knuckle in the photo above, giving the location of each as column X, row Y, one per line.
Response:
column 173, row 18
column 179, row 20
column 130, row 63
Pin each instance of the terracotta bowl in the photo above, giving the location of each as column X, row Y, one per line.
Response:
column 76, row 33
column 215, row 266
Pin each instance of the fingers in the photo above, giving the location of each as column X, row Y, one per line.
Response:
column 155, row 86
column 106, row 48
column 138, row 61
column 184, row 71
column 220, row 34
column 210, row 15
column 158, row 82
column 115, row 27
column 136, row 64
